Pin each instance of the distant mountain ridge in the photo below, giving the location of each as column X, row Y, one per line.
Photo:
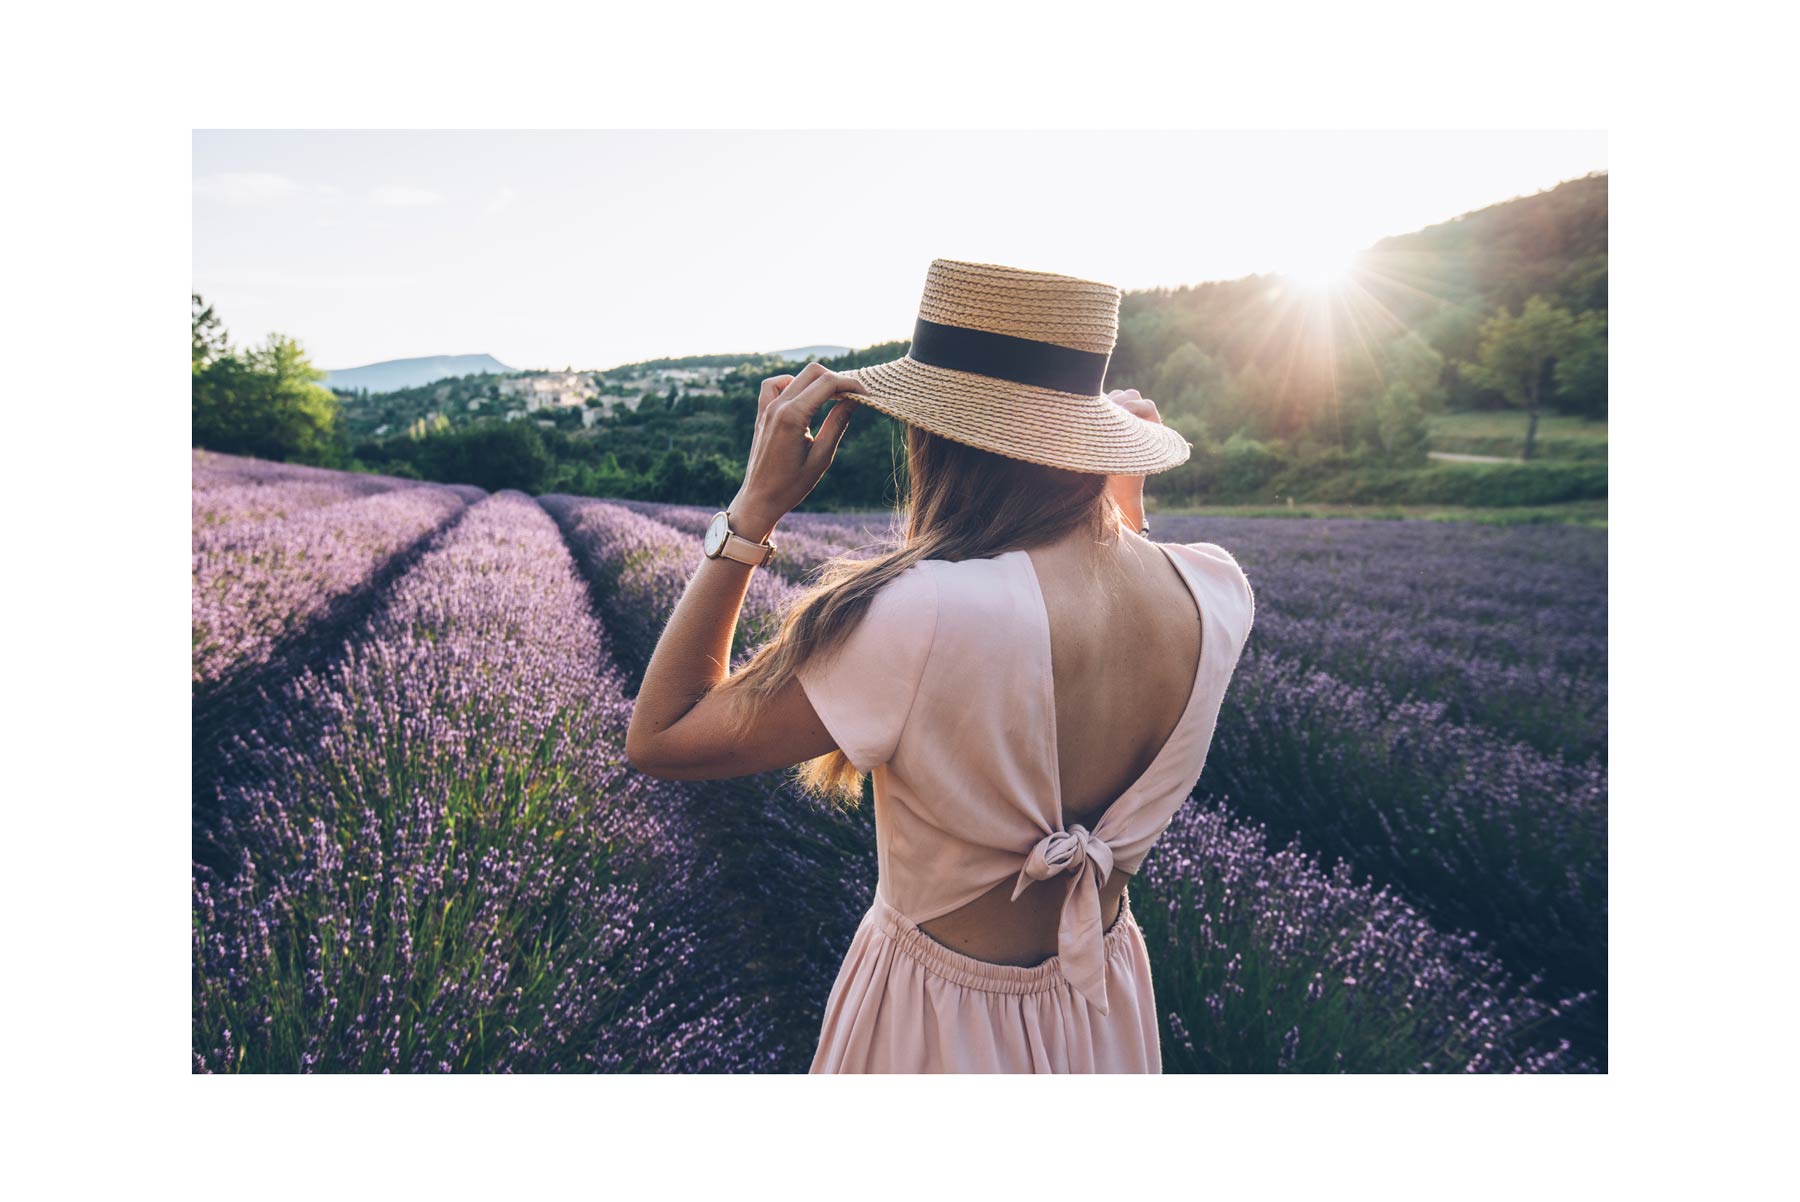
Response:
column 801, row 354
column 394, row 374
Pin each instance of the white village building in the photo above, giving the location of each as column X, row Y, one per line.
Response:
column 555, row 390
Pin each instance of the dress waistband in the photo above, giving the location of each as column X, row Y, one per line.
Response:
column 982, row 974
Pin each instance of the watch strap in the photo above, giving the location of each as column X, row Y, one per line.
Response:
column 744, row 551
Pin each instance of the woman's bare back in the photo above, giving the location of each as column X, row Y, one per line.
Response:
column 1125, row 651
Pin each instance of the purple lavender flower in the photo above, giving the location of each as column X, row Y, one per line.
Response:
column 272, row 557
column 429, row 854
column 437, row 826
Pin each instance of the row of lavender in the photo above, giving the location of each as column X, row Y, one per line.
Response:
column 1265, row 960
column 799, row 878
column 232, row 488
column 1425, row 700
column 435, row 858
column 811, row 539
column 277, row 547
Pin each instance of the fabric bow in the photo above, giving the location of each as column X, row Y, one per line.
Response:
column 1080, row 941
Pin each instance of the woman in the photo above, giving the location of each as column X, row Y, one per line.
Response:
column 1032, row 684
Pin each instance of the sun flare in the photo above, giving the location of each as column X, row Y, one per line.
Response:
column 1322, row 271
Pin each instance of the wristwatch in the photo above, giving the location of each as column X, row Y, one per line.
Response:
column 722, row 540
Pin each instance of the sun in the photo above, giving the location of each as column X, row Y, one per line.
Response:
column 1320, row 270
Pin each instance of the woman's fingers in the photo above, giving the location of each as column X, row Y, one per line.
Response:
column 796, row 384
column 831, row 432
column 809, row 392
column 771, row 388
column 1137, row 406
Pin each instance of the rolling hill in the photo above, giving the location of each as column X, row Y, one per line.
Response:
column 395, row 374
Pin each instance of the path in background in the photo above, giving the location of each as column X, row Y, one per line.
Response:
column 1454, row 457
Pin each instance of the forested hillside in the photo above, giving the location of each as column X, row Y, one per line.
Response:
column 1503, row 307
column 1412, row 302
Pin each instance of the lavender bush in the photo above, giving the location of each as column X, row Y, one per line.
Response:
column 1505, row 626
column 212, row 470
column 1478, row 831
column 646, row 566
column 260, row 580
column 1263, row 962
column 236, row 505
column 798, row 550
column 439, row 860
column 802, row 876
column 231, row 489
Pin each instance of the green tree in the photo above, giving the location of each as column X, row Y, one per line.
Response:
column 712, row 480
column 1194, row 479
column 1401, row 427
column 609, row 479
column 490, row 454
column 1256, row 405
column 1518, row 357
column 1245, row 465
column 1383, row 388
column 209, row 335
column 266, row 402
column 298, row 414
column 1581, row 369
column 670, row 481
column 1454, row 331
column 1190, row 381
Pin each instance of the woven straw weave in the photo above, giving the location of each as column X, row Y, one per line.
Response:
column 1074, row 313
column 1039, row 425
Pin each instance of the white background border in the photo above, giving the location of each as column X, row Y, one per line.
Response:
column 102, row 100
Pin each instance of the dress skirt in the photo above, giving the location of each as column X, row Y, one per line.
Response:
column 905, row 1003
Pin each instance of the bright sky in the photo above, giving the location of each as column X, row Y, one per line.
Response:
column 591, row 249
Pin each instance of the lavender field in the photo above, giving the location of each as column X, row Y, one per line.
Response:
column 418, row 847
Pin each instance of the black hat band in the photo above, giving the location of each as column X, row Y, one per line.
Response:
column 1005, row 357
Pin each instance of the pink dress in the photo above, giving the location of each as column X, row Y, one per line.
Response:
column 944, row 693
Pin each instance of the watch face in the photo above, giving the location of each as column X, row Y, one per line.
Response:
column 715, row 534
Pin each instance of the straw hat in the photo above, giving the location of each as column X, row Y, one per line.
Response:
column 1013, row 361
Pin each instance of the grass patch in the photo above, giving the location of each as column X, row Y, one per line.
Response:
column 1571, row 513
column 1559, row 437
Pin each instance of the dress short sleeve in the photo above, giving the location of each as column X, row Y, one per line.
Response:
column 864, row 689
column 1227, row 564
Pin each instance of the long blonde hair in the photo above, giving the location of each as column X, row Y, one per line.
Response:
column 961, row 502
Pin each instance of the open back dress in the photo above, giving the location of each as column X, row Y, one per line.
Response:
column 943, row 692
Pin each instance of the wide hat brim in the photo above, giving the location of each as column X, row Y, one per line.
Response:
column 1021, row 421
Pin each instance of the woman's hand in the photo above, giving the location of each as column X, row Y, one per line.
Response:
column 786, row 458
column 1138, row 406
column 1128, row 491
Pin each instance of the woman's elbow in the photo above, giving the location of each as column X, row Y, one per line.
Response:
column 639, row 754
column 642, row 759
column 649, row 760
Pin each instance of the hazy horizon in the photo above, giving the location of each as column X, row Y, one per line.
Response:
column 548, row 249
